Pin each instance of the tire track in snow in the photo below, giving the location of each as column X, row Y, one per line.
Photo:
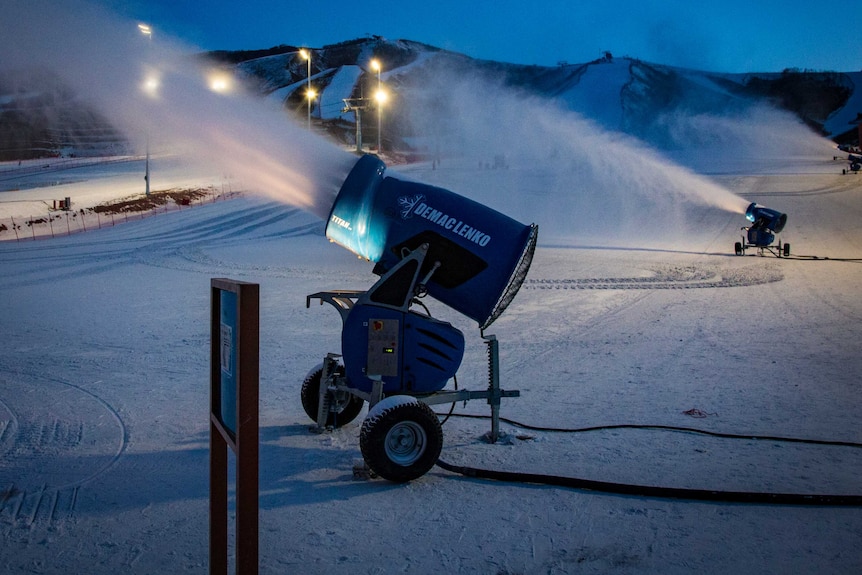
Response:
column 688, row 277
column 844, row 185
column 153, row 242
column 58, row 436
column 678, row 277
column 41, row 508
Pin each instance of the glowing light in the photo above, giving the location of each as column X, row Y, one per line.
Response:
column 145, row 30
column 220, row 82
column 380, row 96
column 311, row 94
column 151, row 85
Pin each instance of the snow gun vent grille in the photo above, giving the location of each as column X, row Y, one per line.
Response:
column 518, row 277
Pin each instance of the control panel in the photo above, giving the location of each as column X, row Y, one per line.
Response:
column 383, row 347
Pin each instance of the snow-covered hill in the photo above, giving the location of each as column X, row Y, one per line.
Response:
column 620, row 94
column 662, row 105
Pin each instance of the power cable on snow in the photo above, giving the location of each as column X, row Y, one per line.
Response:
column 658, row 491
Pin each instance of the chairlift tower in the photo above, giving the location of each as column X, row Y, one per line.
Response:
column 356, row 105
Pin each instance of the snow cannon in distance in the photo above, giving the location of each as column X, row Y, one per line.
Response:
column 424, row 240
column 766, row 219
column 765, row 223
column 477, row 257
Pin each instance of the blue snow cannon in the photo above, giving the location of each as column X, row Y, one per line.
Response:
column 479, row 256
column 424, row 241
column 765, row 223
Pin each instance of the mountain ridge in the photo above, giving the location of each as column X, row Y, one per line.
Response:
column 621, row 94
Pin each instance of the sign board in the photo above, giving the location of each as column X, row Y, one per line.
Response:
column 234, row 420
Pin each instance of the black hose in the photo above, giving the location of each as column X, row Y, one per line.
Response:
column 820, row 258
column 665, row 428
column 656, row 491
column 653, row 491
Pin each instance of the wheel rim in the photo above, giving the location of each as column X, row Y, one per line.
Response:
column 405, row 443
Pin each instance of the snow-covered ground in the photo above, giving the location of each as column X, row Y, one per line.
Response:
column 104, row 393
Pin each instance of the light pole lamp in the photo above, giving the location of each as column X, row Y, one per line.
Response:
column 148, row 32
column 380, row 96
column 309, row 95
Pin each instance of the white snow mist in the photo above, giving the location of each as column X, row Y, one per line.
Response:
column 155, row 89
column 575, row 178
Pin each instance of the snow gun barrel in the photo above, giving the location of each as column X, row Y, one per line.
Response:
column 477, row 257
column 766, row 218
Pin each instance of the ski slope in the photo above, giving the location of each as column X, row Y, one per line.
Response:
column 104, row 396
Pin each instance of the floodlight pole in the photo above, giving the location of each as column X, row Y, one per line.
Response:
column 308, row 94
column 379, row 96
column 147, row 167
column 147, row 31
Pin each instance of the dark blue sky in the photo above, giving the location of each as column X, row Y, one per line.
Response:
column 718, row 35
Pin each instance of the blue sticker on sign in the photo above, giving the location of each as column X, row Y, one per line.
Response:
column 228, row 347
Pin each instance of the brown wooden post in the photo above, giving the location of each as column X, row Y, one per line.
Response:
column 218, row 502
column 234, row 420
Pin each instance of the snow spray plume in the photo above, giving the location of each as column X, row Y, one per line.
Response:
column 564, row 172
column 155, row 88
column 752, row 137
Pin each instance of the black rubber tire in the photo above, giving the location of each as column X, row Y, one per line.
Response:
column 737, row 247
column 349, row 405
column 403, row 442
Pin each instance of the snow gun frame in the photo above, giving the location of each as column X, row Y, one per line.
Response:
column 401, row 437
column 394, row 354
column 761, row 233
